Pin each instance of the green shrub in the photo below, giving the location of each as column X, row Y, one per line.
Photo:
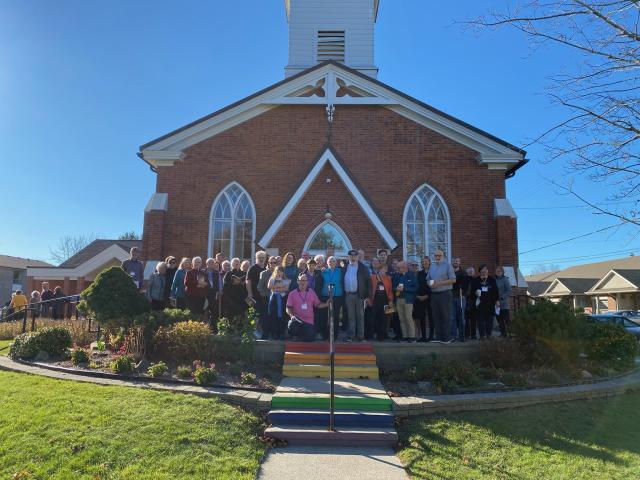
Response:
column 183, row 371
column 611, row 345
column 184, row 341
column 513, row 379
column 101, row 346
column 53, row 340
column 79, row 355
column 546, row 376
column 243, row 326
column 549, row 334
column 248, row 378
column 501, row 353
column 113, row 299
column 164, row 318
column 205, row 375
column 235, row 369
column 123, row 364
column 445, row 375
column 157, row 370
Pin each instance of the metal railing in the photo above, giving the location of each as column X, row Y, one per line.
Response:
column 34, row 309
column 331, row 362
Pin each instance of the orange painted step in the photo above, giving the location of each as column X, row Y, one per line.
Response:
column 304, row 347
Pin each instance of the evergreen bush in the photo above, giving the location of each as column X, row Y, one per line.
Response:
column 53, row 340
column 113, row 299
column 184, row 341
column 611, row 346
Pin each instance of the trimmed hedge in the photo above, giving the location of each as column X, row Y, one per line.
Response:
column 53, row 340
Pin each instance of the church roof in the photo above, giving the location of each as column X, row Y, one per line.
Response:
column 493, row 151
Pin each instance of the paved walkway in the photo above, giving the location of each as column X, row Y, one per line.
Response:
column 332, row 463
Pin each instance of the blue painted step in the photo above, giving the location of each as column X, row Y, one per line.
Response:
column 343, row 418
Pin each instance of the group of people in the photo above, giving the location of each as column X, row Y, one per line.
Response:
column 45, row 303
column 377, row 299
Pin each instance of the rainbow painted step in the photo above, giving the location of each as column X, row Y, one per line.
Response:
column 340, row 371
column 358, row 402
column 300, row 407
column 342, row 418
column 346, row 436
column 323, row 358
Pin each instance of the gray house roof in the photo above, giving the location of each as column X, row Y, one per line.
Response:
column 19, row 263
column 95, row 248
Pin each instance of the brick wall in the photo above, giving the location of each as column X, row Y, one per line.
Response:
column 388, row 156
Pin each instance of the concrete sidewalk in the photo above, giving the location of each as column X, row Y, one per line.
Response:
column 334, row 463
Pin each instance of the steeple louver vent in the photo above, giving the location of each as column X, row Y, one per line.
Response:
column 331, row 45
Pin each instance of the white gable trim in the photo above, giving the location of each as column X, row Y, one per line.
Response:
column 328, row 157
column 549, row 292
column 54, row 273
column 598, row 287
column 166, row 151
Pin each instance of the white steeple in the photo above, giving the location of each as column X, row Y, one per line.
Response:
column 340, row 30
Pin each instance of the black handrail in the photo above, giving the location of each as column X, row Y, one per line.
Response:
column 331, row 362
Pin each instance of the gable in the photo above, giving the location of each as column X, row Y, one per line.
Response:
column 329, row 159
column 613, row 282
column 331, row 83
column 557, row 288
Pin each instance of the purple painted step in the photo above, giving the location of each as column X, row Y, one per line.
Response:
column 346, row 436
column 341, row 418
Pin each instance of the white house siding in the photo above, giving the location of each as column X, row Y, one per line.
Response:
column 307, row 17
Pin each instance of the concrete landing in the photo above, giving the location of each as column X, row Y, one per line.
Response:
column 319, row 463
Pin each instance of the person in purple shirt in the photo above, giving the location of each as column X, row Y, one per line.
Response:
column 301, row 303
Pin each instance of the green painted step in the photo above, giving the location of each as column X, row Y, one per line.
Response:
column 371, row 403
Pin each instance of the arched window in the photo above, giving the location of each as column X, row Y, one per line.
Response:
column 328, row 237
column 426, row 224
column 232, row 223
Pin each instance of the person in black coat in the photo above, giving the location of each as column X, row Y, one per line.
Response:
column 422, row 305
column 234, row 291
column 484, row 299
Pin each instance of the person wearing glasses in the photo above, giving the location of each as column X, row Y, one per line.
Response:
column 172, row 268
column 441, row 278
column 301, row 303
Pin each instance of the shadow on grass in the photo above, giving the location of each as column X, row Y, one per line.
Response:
column 499, row 444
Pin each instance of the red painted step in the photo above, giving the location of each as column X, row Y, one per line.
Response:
column 303, row 347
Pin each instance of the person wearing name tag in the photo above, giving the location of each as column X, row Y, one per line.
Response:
column 441, row 278
column 381, row 298
column 485, row 291
column 300, row 307
column 134, row 267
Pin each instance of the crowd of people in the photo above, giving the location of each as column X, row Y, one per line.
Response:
column 377, row 299
column 45, row 303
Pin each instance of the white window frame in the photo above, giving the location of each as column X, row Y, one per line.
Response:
column 233, row 206
column 425, row 210
column 344, row 236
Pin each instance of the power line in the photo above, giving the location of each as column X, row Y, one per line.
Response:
column 572, row 206
column 573, row 238
column 595, row 256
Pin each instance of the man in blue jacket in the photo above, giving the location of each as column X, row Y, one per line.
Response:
column 405, row 286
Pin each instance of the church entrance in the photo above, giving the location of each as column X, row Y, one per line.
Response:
column 328, row 239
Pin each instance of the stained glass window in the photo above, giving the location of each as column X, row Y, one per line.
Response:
column 328, row 238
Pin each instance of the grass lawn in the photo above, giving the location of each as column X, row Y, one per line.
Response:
column 55, row 429
column 591, row 439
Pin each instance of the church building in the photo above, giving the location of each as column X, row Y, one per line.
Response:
column 329, row 159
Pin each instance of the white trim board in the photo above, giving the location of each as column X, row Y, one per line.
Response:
column 109, row 253
column 328, row 157
column 597, row 288
column 167, row 150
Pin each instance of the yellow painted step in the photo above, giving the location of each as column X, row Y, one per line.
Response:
column 341, row 371
column 323, row 359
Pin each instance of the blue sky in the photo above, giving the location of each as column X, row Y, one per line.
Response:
column 83, row 83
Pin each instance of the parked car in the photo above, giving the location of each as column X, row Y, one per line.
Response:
column 629, row 325
column 625, row 313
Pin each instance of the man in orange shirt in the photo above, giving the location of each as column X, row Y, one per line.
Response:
column 19, row 303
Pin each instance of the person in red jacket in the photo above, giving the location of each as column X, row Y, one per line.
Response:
column 380, row 296
column 195, row 287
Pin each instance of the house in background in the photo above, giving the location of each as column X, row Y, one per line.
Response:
column 76, row 273
column 13, row 274
column 596, row 287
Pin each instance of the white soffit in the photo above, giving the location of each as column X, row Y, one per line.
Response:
column 330, row 76
column 328, row 157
